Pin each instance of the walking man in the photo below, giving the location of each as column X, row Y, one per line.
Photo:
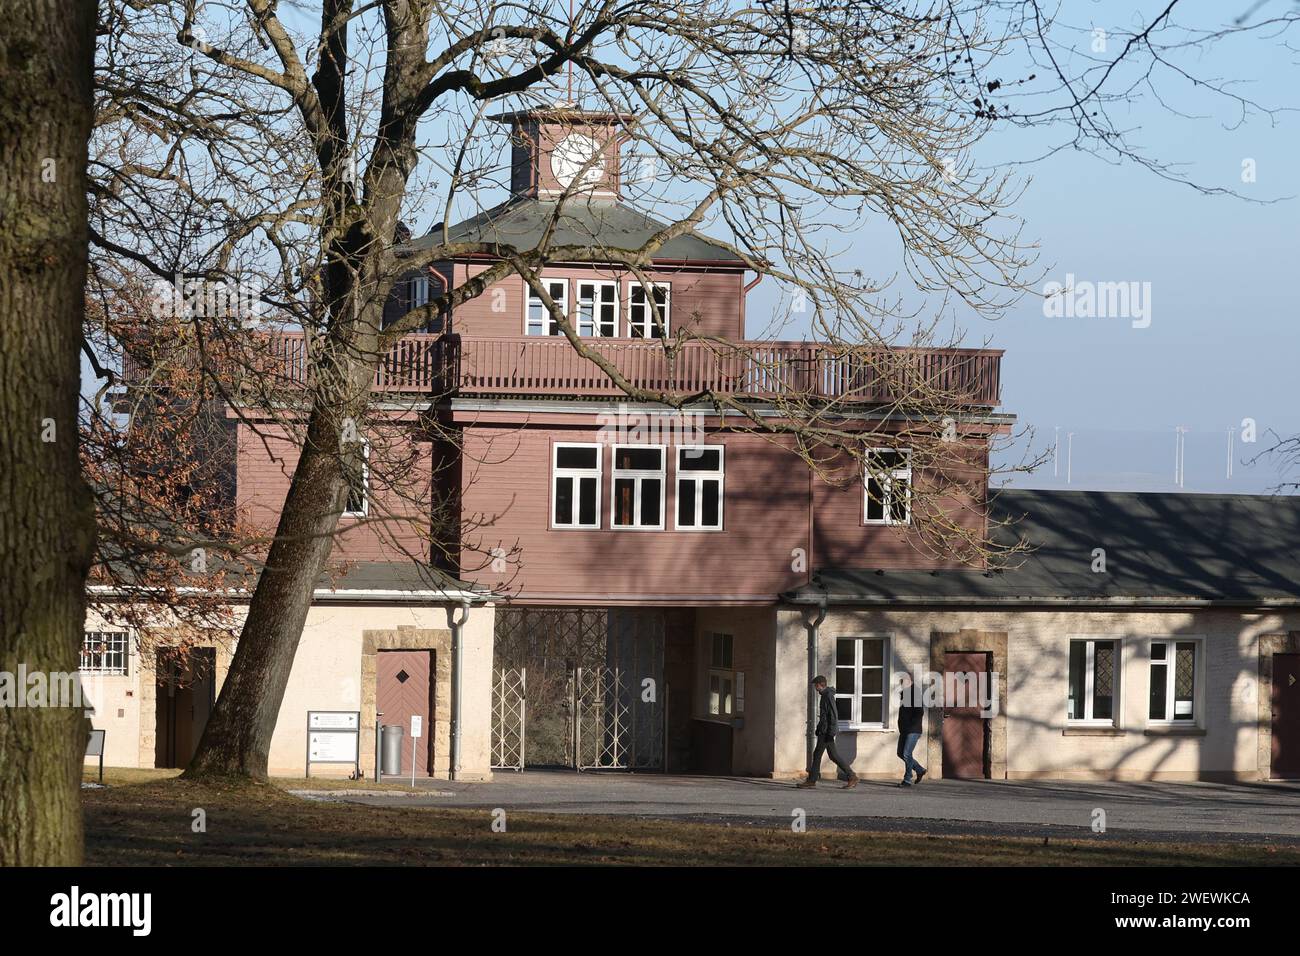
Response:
column 827, row 723
column 911, row 720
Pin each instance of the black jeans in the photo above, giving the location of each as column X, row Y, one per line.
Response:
column 826, row 745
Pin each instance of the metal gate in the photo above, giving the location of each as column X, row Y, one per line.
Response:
column 509, row 692
column 595, row 680
column 616, row 725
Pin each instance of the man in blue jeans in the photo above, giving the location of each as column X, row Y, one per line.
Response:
column 911, row 719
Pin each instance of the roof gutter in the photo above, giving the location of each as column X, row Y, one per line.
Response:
column 1113, row 602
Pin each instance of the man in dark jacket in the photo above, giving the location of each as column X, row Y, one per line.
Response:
column 911, row 720
column 827, row 724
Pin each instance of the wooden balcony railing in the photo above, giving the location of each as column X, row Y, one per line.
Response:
column 534, row 365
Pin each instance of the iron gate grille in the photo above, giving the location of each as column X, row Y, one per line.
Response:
column 509, row 692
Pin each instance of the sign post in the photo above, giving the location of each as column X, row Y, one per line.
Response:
column 417, row 728
column 334, row 736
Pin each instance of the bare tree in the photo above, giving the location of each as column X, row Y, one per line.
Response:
column 254, row 143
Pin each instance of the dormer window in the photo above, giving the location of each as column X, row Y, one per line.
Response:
column 647, row 315
column 538, row 320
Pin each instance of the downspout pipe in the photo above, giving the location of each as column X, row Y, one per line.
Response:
column 456, row 624
column 813, row 626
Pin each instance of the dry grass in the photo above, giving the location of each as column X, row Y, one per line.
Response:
column 146, row 819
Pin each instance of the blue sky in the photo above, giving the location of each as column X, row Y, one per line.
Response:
column 1224, row 336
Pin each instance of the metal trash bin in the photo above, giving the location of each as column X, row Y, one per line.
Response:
column 392, row 744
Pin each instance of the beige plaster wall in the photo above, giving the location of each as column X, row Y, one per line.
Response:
column 1038, row 742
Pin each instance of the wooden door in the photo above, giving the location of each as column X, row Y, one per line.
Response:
column 1285, row 761
column 965, row 732
column 405, row 689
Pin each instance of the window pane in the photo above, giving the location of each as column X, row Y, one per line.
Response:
column 726, row 650
column 699, row 459
column 1103, row 680
column 714, row 691
column 686, row 504
column 1158, row 651
column 712, row 504
column 844, row 652
column 587, row 502
column 1184, row 679
column 872, row 680
column 843, row 708
column 650, row 492
column 640, row 459
column 844, row 680
column 567, row 456
column 875, row 500
column 1078, row 661
column 726, row 696
column 564, row 500
column 898, row 501
column 624, row 492
column 1159, row 682
column 873, row 652
column 871, row 710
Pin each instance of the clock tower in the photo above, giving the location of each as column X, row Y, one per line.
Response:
column 563, row 147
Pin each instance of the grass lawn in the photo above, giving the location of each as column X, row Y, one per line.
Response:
column 144, row 817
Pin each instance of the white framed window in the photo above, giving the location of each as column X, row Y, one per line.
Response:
column 638, row 487
column 537, row 317
column 597, row 308
column 1093, row 692
column 358, row 503
column 699, row 487
column 575, row 485
column 641, row 310
column 1175, row 670
column 722, row 676
column 418, row 291
column 887, row 481
column 105, row 652
column 861, row 676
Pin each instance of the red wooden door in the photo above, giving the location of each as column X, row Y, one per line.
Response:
column 1286, row 716
column 406, row 690
column 964, row 732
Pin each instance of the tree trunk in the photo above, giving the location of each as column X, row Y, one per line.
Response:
column 237, row 739
column 46, row 514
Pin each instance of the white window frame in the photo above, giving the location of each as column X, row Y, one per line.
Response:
column 856, row 695
column 530, row 296
column 419, row 291
column 903, row 474
column 698, row 478
column 722, row 673
column 648, row 303
column 597, row 285
column 1198, row 676
column 576, row 474
column 365, row 484
column 638, row 475
column 115, row 642
column 1090, row 669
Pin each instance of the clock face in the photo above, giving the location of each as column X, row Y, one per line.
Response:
column 571, row 154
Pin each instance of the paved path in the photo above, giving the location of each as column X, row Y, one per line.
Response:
column 1199, row 811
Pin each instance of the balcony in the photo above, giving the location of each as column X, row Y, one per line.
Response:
column 536, row 366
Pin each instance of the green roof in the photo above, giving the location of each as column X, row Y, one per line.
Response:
column 521, row 223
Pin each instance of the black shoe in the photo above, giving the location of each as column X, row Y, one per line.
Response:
column 904, row 783
column 921, row 773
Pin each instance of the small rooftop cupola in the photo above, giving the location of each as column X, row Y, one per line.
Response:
column 551, row 148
